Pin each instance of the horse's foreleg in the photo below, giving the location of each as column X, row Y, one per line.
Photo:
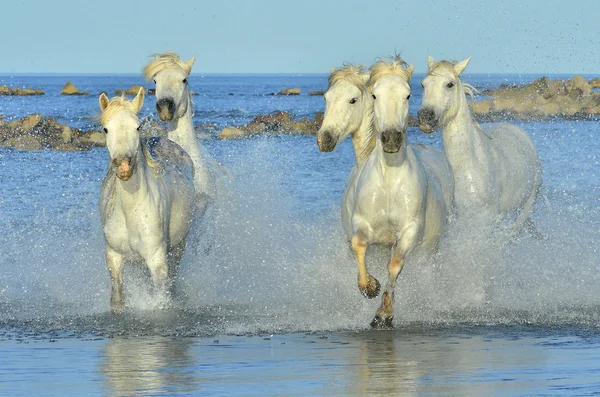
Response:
column 385, row 314
column 114, row 263
column 175, row 255
column 157, row 264
column 368, row 285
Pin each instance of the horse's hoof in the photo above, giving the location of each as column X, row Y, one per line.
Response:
column 382, row 323
column 371, row 290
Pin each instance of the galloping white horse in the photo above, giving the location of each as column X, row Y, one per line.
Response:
column 496, row 171
column 403, row 192
column 348, row 111
column 146, row 199
column 174, row 105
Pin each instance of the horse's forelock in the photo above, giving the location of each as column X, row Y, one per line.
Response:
column 396, row 66
column 161, row 62
column 351, row 74
column 116, row 105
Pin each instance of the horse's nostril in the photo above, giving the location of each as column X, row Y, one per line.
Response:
column 384, row 138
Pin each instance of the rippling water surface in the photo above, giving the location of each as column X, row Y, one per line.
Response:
column 271, row 307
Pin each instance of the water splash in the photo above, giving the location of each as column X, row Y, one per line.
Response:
column 279, row 262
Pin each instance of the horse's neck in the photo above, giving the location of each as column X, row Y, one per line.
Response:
column 462, row 136
column 181, row 131
column 363, row 140
column 392, row 160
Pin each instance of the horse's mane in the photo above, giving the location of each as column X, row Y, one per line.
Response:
column 116, row 105
column 161, row 62
column 395, row 66
column 449, row 65
column 354, row 74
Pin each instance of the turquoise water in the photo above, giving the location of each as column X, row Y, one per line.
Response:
column 277, row 289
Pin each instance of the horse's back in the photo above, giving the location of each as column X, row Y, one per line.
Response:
column 518, row 165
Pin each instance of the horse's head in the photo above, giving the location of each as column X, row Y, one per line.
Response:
column 121, row 125
column 346, row 101
column 442, row 93
column 390, row 90
column 170, row 75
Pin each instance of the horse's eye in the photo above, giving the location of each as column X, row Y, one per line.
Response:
column 352, row 101
column 450, row 84
column 374, row 97
column 422, row 85
column 184, row 81
column 105, row 130
column 139, row 127
column 408, row 97
column 154, row 81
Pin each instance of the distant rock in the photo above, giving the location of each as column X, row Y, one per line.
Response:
column 232, row 133
column 70, row 89
column 595, row 82
column 275, row 123
column 540, row 99
column 4, row 90
column 35, row 132
column 133, row 90
column 289, row 91
column 317, row 93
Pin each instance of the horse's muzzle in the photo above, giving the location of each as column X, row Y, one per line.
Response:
column 391, row 141
column 326, row 142
column 123, row 167
column 427, row 120
column 166, row 109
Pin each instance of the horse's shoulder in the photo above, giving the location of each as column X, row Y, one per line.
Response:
column 162, row 153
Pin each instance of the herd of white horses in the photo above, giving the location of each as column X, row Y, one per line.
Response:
column 397, row 194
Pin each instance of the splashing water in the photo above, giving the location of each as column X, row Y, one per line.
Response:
column 275, row 258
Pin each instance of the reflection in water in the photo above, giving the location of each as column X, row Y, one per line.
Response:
column 139, row 366
column 397, row 364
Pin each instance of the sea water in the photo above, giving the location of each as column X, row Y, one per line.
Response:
column 268, row 301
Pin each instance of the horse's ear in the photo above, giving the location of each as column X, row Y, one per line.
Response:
column 103, row 101
column 430, row 61
column 138, row 101
column 459, row 67
column 410, row 69
column 188, row 64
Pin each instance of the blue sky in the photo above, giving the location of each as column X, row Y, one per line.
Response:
column 308, row 36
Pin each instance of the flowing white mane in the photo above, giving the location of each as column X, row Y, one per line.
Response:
column 164, row 61
column 395, row 66
column 449, row 65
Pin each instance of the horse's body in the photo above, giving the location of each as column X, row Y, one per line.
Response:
column 401, row 191
column 174, row 106
column 497, row 172
column 146, row 199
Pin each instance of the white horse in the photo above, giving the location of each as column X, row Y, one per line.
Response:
column 403, row 192
column 174, row 105
column 348, row 111
column 146, row 199
column 498, row 171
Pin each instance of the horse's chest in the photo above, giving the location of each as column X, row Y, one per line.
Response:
column 133, row 232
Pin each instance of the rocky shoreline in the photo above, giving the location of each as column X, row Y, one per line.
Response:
column 541, row 99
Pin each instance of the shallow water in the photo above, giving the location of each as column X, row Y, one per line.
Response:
column 270, row 306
